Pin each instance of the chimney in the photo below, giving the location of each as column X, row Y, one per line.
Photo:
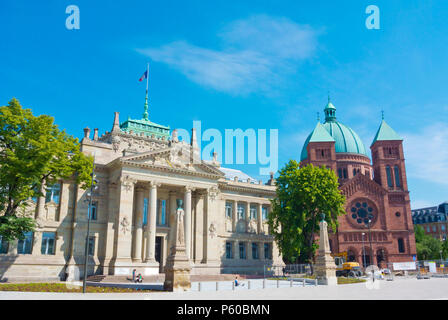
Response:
column 174, row 137
column 95, row 134
column 87, row 133
column 116, row 126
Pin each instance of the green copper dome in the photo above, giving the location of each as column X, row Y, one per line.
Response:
column 346, row 140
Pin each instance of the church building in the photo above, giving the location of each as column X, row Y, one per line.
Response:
column 377, row 227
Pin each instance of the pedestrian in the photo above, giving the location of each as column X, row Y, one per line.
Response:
column 133, row 275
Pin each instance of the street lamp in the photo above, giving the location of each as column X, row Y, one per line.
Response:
column 363, row 251
column 370, row 242
column 93, row 187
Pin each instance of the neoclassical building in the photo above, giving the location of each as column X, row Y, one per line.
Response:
column 142, row 169
column 375, row 190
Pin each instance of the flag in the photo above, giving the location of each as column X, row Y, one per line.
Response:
column 144, row 76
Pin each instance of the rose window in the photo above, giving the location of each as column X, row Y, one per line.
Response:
column 361, row 212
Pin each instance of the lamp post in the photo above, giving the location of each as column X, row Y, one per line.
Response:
column 370, row 242
column 93, row 187
column 363, row 251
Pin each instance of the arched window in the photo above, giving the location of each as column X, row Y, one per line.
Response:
column 389, row 177
column 345, row 173
column 354, row 172
column 400, row 245
column 397, row 176
column 340, row 173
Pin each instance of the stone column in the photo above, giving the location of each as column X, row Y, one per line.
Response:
column 236, row 255
column 171, row 218
column 151, row 224
column 260, row 218
column 123, row 233
column 325, row 267
column 40, row 217
column 187, row 210
column 234, row 215
column 138, row 225
column 108, row 242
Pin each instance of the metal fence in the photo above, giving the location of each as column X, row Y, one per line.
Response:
column 287, row 271
column 416, row 269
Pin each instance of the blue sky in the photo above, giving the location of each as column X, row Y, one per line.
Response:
column 246, row 64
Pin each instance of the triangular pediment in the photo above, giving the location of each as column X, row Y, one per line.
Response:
column 177, row 158
column 361, row 182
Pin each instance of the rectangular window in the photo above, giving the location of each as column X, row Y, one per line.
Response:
column 145, row 211
column 253, row 212
column 229, row 254
column 229, row 206
column 241, row 211
column 91, row 248
column 53, row 192
column 397, row 176
column 4, row 246
column 389, row 177
column 93, row 210
column 161, row 212
column 264, row 211
column 25, row 246
column 242, row 247
column 48, row 241
column 400, row 245
column 254, row 250
column 267, row 251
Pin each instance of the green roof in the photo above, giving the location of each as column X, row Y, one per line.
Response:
column 385, row 132
column 146, row 127
column 319, row 134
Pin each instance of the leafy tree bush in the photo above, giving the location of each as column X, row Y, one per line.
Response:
column 303, row 195
column 33, row 152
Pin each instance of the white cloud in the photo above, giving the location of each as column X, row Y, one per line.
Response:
column 427, row 153
column 257, row 52
column 419, row 204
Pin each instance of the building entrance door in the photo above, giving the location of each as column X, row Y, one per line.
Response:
column 158, row 253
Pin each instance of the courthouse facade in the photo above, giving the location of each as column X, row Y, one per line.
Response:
column 142, row 169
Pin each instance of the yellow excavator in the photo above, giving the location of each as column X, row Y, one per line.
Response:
column 344, row 268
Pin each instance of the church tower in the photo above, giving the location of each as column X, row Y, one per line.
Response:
column 390, row 172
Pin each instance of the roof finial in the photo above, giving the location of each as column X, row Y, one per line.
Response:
column 318, row 116
column 382, row 114
column 328, row 96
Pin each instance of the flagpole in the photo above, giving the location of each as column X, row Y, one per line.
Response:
column 145, row 114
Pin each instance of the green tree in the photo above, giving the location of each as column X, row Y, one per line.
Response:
column 33, row 152
column 302, row 195
column 428, row 248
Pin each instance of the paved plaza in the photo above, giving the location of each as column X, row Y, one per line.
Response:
column 406, row 289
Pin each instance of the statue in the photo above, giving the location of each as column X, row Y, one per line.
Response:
column 180, row 226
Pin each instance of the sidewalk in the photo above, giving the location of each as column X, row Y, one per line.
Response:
column 400, row 289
